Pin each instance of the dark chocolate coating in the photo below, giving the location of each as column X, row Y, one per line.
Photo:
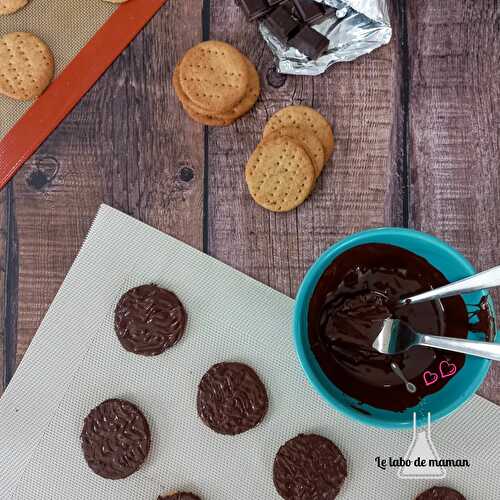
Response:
column 309, row 467
column 231, row 398
column 310, row 42
column 351, row 300
column 115, row 439
column 179, row 495
column 440, row 493
column 149, row 320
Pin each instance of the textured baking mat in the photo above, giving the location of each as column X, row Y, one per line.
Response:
column 85, row 37
column 75, row 361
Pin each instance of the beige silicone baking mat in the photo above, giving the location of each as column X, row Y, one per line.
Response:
column 65, row 25
column 75, row 361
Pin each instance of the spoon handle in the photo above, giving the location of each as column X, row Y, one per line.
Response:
column 488, row 350
column 480, row 281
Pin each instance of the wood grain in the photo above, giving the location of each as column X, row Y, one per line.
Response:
column 118, row 146
column 360, row 100
column 454, row 123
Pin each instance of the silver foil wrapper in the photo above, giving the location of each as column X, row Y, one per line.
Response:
column 359, row 27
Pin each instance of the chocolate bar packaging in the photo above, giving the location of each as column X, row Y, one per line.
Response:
column 308, row 36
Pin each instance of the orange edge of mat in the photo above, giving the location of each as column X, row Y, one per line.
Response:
column 62, row 95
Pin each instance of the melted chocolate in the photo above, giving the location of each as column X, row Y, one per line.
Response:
column 355, row 294
column 149, row 320
column 309, row 467
column 440, row 493
column 115, row 439
column 231, row 398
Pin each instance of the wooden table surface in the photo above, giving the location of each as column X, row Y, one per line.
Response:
column 417, row 131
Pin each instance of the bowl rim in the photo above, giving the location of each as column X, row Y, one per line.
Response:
column 301, row 307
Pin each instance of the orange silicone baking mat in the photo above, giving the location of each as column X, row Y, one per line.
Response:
column 85, row 37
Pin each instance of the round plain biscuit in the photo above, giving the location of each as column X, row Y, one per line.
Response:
column 243, row 107
column 11, row 6
column 26, row 66
column 251, row 96
column 279, row 174
column 306, row 118
column 214, row 76
column 195, row 112
column 204, row 119
column 311, row 144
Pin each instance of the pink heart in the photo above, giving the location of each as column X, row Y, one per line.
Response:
column 447, row 369
column 430, row 377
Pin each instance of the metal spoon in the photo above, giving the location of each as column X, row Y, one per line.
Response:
column 409, row 386
column 397, row 336
column 479, row 281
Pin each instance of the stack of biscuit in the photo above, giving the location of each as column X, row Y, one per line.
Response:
column 296, row 144
column 216, row 84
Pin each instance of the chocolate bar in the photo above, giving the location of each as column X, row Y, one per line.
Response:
column 289, row 20
column 309, row 10
column 310, row 42
column 255, row 9
column 281, row 23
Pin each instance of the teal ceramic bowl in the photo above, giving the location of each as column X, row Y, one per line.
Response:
column 454, row 394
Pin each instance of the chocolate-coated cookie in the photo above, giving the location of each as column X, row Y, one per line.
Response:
column 149, row 320
column 179, row 495
column 115, row 439
column 309, row 467
column 231, row 398
column 440, row 493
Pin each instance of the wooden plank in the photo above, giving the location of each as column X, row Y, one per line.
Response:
column 119, row 147
column 361, row 100
column 454, row 121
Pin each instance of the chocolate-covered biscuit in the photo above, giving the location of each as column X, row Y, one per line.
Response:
column 149, row 320
column 231, row 398
column 115, row 439
column 440, row 493
column 179, row 495
column 309, row 467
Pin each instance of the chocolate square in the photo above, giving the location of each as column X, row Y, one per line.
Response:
column 281, row 23
column 309, row 10
column 310, row 42
column 255, row 9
